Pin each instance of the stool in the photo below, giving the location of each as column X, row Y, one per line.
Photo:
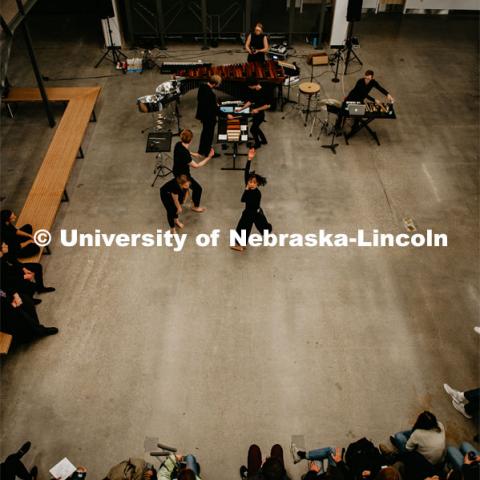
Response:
column 309, row 89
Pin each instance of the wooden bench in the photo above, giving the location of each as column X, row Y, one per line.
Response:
column 49, row 187
column 5, row 342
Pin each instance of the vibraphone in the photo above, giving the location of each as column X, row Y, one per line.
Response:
column 373, row 111
column 234, row 77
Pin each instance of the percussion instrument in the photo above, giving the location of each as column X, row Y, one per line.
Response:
column 174, row 67
column 234, row 77
column 149, row 103
column 309, row 88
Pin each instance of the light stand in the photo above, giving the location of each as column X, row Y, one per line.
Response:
column 111, row 49
column 349, row 48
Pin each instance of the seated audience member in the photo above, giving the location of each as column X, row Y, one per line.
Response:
column 23, row 277
column 19, row 318
column 19, row 240
column 467, row 403
column 364, row 459
column 13, row 466
column 336, row 467
column 273, row 468
column 180, row 467
column 422, row 449
column 465, row 458
column 134, row 469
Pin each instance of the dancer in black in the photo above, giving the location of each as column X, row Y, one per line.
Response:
column 256, row 44
column 182, row 161
column 252, row 214
column 207, row 112
column 257, row 96
column 173, row 195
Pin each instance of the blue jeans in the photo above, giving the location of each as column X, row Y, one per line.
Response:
column 401, row 439
column 191, row 463
column 321, row 454
column 455, row 455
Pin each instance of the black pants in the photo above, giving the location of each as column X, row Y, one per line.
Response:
column 473, row 406
column 37, row 269
column 170, row 207
column 13, row 467
column 28, row 250
column 255, row 130
column 256, row 57
column 250, row 218
column 196, row 189
column 206, row 138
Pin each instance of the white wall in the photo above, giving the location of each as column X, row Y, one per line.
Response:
column 114, row 27
column 443, row 4
column 340, row 24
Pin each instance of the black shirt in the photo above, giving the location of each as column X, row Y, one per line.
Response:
column 181, row 160
column 172, row 187
column 259, row 98
column 361, row 91
column 10, row 237
column 256, row 41
column 207, row 107
column 252, row 199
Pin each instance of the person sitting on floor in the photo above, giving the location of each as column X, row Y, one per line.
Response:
column 133, row 468
column 465, row 459
column 23, row 277
column 20, row 319
column 273, row 468
column 19, row 240
column 422, row 449
column 180, row 467
column 336, row 470
column 13, row 467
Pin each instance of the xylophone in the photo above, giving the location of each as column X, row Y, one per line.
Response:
column 234, row 77
column 174, row 67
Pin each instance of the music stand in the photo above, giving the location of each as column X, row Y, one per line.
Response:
column 160, row 143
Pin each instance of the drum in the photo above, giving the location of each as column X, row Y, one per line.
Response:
column 167, row 89
column 149, row 103
column 309, row 88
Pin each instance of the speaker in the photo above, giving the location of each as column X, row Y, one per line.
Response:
column 354, row 10
column 105, row 9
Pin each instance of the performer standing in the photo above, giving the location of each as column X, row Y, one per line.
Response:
column 252, row 214
column 361, row 91
column 173, row 195
column 207, row 111
column 256, row 44
column 257, row 96
column 182, row 161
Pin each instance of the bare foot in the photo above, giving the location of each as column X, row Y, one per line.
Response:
column 179, row 224
column 173, row 231
column 198, row 209
column 237, row 248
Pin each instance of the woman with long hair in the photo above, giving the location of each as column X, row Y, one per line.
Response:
column 256, row 44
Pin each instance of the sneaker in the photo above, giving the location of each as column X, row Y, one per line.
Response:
column 476, row 330
column 455, row 394
column 461, row 408
column 243, row 471
column 294, row 449
column 24, row 448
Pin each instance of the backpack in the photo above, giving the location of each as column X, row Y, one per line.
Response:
column 131, row 469
column 363, row 455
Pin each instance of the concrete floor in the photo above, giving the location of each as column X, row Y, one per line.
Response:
column 210, row 350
